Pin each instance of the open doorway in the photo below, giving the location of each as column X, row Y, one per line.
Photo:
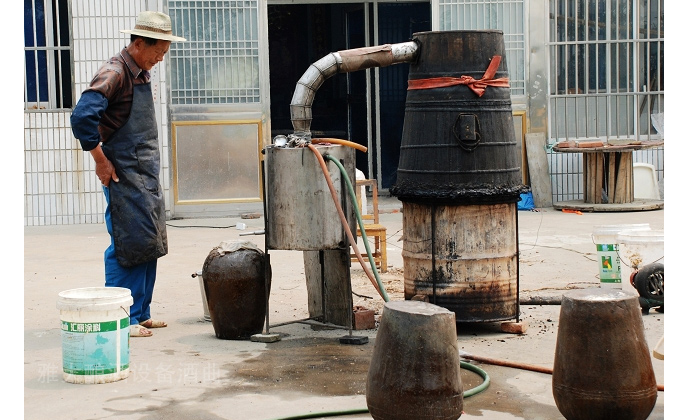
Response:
column 365, row 107
column 301, row 34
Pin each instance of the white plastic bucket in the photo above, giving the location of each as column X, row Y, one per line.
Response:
column 95, row 334
column 605, row 240
column 637, row 249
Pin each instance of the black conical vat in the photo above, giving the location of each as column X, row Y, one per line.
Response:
column 459, row 147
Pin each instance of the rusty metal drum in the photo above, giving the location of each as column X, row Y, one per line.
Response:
column 602, row 364
column 458, row 143
column 463, row 258
column 414, row 372
column 236, row 285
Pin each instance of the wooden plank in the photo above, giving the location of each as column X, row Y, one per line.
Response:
column 593, row 192
column 608, row 148
column 590, row 176
column 618, row 182
column 629, row 176
column 638, row 205
column 598, row 178
column 630, row 180
column 538, row 167
column 586, row 183
column 329, row 292
column 623, row 185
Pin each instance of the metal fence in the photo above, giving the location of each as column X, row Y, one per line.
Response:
column 605, row 81
column 219, row 63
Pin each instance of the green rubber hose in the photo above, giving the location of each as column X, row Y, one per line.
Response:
column 465, row 394
column 358, row 217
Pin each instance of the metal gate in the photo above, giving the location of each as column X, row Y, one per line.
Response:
column 217, row 107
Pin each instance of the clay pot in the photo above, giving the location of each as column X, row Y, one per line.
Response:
column 236, row 290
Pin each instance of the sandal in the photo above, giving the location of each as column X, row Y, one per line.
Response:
column 136, row 330
column 152, row 323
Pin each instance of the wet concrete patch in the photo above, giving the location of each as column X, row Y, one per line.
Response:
column 319, row 366
column 509, row 392
column 324, row 367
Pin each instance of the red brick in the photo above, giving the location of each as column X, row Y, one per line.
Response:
column 363, row 319
column 514, row 327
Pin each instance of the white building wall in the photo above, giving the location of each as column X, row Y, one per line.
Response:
column 60, row 184
column 58, row 188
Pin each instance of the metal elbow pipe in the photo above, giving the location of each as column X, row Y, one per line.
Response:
column 342, row 62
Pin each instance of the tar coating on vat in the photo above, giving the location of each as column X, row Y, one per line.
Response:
column 458, row 147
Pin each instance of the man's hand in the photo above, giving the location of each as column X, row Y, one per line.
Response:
column 104, row 169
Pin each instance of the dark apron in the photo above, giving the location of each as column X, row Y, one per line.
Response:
column 138, row 206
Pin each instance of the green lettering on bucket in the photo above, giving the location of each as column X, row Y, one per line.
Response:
column 94, row 327
column 609, row 263
column 89, row 327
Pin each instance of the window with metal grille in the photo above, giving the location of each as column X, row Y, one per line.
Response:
column 219, row 62
column 504, row 15
column 48, row 78
column 606, row 69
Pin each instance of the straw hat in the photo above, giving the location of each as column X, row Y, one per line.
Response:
column 154, row 25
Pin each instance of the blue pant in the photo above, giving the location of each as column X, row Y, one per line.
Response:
column 139, row 279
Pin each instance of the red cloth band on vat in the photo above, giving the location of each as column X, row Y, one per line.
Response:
column 478, row 86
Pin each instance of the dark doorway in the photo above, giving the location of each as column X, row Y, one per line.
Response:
column 300, row 34
column 397, row 22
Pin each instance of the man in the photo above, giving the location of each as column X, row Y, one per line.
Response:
column 115, row 121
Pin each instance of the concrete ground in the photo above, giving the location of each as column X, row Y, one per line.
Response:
column 185, row 372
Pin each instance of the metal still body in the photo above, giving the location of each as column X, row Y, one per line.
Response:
column 414, row 372
column 602, row 365
column 300, row 211
column 459, row 177
column 463, row 258
column 301, row 215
